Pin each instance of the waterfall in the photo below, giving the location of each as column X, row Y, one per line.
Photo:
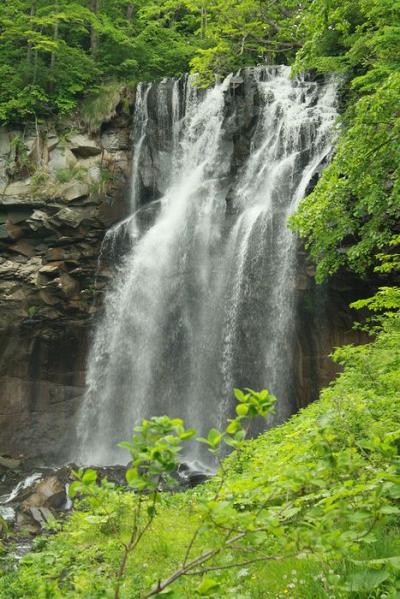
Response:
column 205, row 298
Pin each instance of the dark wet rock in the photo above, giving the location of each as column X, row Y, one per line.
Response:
column 51, row 229
column 189, row 477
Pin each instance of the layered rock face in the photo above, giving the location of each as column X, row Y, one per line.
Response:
column 60, row 190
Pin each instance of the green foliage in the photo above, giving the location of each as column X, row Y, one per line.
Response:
column 236, row 34
column 65, row 175
column 39, row 178
column 354, row 210
column 54, row 52
column 309, row 509
column 154, row 450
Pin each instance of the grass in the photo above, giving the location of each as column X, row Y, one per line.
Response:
column 102, row 106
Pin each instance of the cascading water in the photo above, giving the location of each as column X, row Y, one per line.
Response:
column 205, row 299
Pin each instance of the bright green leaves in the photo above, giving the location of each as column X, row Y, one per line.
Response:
column 254, row 404
column 71, row 48
column 155, row 452
column 242, row 410
column 354, row 210
column 236, row 34
column 214, row 439
column 323, row 489
column 84, row 484
column 67, row 49
column 250, row 405
column 208, row 587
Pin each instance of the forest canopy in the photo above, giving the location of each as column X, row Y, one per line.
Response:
column 56, row 53
column 53, row 52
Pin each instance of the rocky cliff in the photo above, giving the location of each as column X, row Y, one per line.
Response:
column 60, row 189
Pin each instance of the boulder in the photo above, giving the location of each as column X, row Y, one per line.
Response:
column 28, row 271
column 74, row 217
column 70, row 217
column 7, row 267
column 57, row 254
column 41, row 515
column 75, row 191
column 84, row 147
column 18, row 216
column 18, row 193
column 39, row 220
column 51, row 269
column 49, row 493
column 60, row 159
column 23, row 247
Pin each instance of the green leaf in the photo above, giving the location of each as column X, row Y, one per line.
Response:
column 133, row 478
column 207, row 587
column 239, row 395
column 242, row 409
column 214, row 437
column 188, row 434
column 74, row 488
column 233, row 427
column 367, row 580
column 90, row 476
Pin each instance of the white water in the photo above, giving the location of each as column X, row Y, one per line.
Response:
column 206, row 299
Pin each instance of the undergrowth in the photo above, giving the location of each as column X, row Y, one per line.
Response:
column 317, row 498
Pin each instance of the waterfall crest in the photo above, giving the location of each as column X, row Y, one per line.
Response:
column 205, row 299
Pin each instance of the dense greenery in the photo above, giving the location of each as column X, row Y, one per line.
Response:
column 355, row 208
column 52, row 52
column 309, row 509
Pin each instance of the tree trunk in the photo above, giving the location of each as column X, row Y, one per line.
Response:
column 29, row 52
column 55, row 38
column 129, row 12
column 94, row 38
